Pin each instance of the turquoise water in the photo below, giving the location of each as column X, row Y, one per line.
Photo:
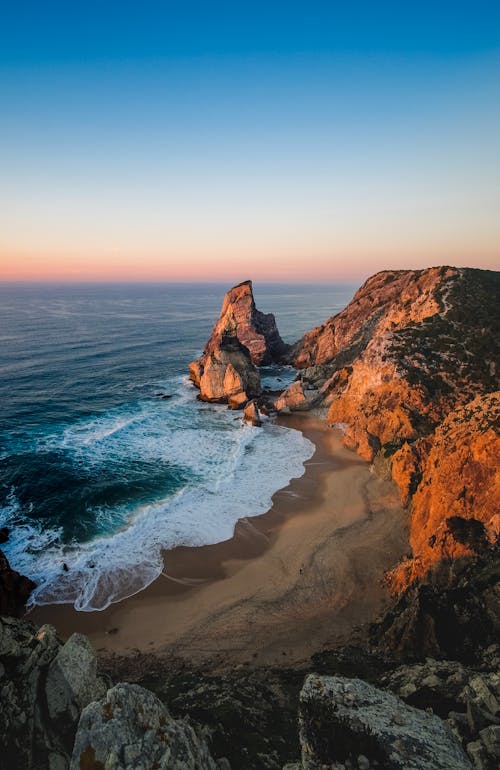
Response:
column 97, row 474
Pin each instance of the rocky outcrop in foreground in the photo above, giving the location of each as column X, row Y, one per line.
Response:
column 242, row 339
column 468, row 700
column 59, row 704
column 410, row 372
column 347, row 723
column 131, row 728
column 55, row 705
column 44, row 686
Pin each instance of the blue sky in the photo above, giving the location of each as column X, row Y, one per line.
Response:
column 329, row 140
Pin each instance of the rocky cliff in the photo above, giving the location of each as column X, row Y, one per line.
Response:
column 58, row 711
column 455, row 475
column 242, row 339
column 408, row 370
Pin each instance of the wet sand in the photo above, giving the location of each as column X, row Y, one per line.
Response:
column 298, row 578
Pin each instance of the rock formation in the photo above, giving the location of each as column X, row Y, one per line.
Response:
column 349, row 723
column 454, row 613
column 455, row 474
column 255, row 330
column 468, row 700
column 14, row 589
column 226, row 374
column 54, row 705
column 242, row 339
column 44, row 686
column 408, row 348
column 408, row 371
column 251, row 414
column 72, row 682
column 58, row 712
column 131, row 728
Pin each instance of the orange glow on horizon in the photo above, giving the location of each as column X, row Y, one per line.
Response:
column 345, row 265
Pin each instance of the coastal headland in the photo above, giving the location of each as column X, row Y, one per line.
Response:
column 375, row 574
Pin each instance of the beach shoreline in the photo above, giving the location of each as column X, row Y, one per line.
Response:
column 290, row 582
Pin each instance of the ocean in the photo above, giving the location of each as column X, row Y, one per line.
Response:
column 98, row 475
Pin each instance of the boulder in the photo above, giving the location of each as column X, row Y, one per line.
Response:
column 227, row 372
column 237, row 401
column 469, row 700
column 72, row 681
column 349, row 723
column 130, row 728
column 291, row 399
column 251, row 414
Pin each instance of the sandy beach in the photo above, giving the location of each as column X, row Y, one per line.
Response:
column 290, row 582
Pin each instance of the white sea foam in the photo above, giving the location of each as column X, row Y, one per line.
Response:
column 233, row 470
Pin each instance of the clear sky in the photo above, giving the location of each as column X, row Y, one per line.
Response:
column 274, row 140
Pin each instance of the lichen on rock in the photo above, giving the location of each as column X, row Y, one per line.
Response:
column 130, row 728
column 347, row 722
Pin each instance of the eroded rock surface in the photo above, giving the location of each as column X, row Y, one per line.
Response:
column 72, row 681
column 226, row 374
column 469, row 701
column 409, row 347
column 349, row 723
column 409, row 371
column 242, row 339
column 39, row 708
column 454, row 613
column 131, row 728
column 455, row 507
column 257, row 331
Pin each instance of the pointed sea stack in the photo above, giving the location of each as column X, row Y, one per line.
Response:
column 242, row 339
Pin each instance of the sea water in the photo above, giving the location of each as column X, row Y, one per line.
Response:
column 98, row 474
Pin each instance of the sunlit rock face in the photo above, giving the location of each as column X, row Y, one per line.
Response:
column 226, row 373
column 255, row 330
column 242, row 339
column 411, row 348
column 455, row 509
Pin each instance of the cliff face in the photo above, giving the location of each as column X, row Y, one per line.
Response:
column 387, row 301
column 226, row 373
column 242, row 339
column 412, row 348
column 255, row 330
column 455, row 509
